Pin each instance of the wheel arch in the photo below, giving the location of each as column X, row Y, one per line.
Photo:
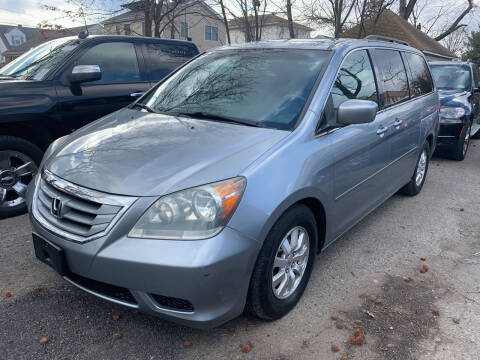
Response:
column 308, row 197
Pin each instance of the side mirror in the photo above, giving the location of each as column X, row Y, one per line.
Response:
column 85, row 73
column 356, row 112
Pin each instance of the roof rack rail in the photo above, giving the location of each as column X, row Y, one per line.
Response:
column 386, row 38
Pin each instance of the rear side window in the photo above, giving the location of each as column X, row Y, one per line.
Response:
column 418, row 75
column 393, row 84
column 117, row 61
column 355, row 80
column 163, row 58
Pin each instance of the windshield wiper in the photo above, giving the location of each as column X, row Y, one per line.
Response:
column 145, row 107
column 214, row 117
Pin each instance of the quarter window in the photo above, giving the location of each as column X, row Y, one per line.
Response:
column 355, row 80
column 418, row 75
column 127, row 29
column 117, row 61
column 392, row 76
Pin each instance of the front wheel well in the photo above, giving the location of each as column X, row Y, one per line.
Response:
column 430, row 141
column 319, row 212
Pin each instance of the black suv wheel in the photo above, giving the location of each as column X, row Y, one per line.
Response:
column 19, row 161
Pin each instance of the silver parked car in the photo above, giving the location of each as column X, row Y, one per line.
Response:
column 214, row 191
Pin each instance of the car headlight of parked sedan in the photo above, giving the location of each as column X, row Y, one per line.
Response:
column 451, row 115
column 193, row 214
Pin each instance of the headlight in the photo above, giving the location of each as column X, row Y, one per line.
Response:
column 53, row 146
column 451, row 115
column 192, row 214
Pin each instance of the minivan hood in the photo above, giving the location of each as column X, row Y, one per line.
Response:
column 131, row 152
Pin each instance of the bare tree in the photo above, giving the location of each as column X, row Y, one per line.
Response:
column 333, row 13
column 456, row 23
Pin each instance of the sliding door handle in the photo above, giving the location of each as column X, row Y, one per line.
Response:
column 397, row 122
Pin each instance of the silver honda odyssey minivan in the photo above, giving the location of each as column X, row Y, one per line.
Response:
column 213, row 193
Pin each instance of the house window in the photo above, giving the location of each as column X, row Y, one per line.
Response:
column 126, row 29
column 211, row 33
column 143, row 28
column 184, row 30
column 16, row 40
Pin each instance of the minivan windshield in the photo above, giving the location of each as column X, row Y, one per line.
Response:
column 452, row 77
column 36, row 63
column 265, row 87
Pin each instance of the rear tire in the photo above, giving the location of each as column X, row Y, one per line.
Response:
column 19, row 161
column 415, row 184
column 267, row 298
column 461, row 147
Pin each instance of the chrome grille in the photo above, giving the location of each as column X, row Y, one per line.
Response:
column 83, row 215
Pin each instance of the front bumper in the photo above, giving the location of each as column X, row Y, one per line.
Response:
column 163, row 277
column 448, row 135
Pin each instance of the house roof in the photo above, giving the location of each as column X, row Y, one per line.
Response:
column 268, row 20
column 33, row 36
column 391, row 25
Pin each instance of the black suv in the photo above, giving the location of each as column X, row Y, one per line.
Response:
column 458, row 85
column 64, row 84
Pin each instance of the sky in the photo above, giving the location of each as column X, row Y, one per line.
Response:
column 30, row 12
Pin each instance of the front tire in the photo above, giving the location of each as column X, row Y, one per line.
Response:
column 19, row 161
column 284, row 264
column 461, row 147
column 415, row 184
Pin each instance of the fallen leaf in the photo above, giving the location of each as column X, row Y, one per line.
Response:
column 8, row 294
column 357, row 332
column 246, row 348
column 351, row 339
column 360, row 340
column 334, row 318
column 376, row 281
column 115, row 317
column 36, row 290
column 407, row 279
column 435, row 312
column 425, row 267
column 378, row 301
column 462, row 209
column 335, row 348
column 339, row 325
column 456, row 320
column 116, row 336
column 390, row 346
column 423, row 258
column 43, row 340
column 187, row 343
column 369, row 314
column 358, row 322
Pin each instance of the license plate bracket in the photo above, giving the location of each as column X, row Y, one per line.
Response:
column 50, row 254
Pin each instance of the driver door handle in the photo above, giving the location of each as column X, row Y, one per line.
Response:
column 137, row 94
column 382, row 130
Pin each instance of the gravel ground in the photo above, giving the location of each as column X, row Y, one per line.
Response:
column 369, row 279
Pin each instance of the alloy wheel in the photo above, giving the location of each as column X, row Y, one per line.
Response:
column 290, row 262
column 421, row 168
column 16, row 171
